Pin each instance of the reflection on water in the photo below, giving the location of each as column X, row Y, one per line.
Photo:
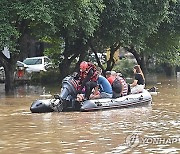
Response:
column 110, row 131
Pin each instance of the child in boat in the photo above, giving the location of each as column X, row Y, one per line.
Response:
column 103, row 89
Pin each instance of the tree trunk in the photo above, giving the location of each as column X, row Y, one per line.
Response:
column 97, row 58
column 142, row 63
column 169, row 70
column 81, row 57
column 72, row 50
column 9, row 79
column 23, row 47
column 9, row 68
column 111, row 62
column 139, row 58
column 64, row 68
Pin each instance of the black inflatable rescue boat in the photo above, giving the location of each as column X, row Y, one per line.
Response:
column 66, row 100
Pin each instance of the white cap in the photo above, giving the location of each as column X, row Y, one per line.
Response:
column 113, row 73
column 119, row 74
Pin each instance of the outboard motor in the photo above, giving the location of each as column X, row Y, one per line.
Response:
column 68, row 93
column 65, row 101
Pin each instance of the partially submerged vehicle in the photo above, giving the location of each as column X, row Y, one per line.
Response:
column 35, row 64
column 66, row 100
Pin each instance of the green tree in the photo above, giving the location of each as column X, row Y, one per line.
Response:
column 128, row 24
column 19, row 19
column 165, row 44
column 115, row 22
column 160, row 33
column 76, row 22
column 74, row 27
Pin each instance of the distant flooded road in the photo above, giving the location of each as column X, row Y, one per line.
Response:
column 154, row 129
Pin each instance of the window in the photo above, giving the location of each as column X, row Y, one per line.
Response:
column 32, row 61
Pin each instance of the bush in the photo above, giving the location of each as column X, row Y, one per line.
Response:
column 51, row 76
column 125, row 67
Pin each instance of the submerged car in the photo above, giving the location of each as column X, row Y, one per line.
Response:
column 36, row 64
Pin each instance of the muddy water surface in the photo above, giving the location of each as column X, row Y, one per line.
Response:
column 152, row 129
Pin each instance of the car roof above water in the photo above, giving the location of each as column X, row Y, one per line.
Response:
column 37, row 57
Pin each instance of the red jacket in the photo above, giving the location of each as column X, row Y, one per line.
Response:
column 111, row 79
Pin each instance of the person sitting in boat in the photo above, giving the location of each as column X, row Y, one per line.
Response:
column 103, row 88
column 108, row 74
column 124, row 84
column 88, row 76
column 117, row 86
column 139, row 81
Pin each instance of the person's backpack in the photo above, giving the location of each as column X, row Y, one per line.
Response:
column 116, row 86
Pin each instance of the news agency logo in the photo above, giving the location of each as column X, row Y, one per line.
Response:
column 133, row 140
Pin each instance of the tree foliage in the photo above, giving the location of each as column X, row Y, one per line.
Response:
column 145, row 27
column 24, row 16
column 166, row 42
column 76, row 22
column 129, row 24
column 19, row 19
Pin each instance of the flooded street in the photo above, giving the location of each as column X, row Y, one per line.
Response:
column 149, row 129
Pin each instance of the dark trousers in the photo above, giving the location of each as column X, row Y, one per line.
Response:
column 129, row 89
column 88, row 88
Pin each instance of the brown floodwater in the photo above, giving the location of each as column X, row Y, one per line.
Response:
column 149, row 129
